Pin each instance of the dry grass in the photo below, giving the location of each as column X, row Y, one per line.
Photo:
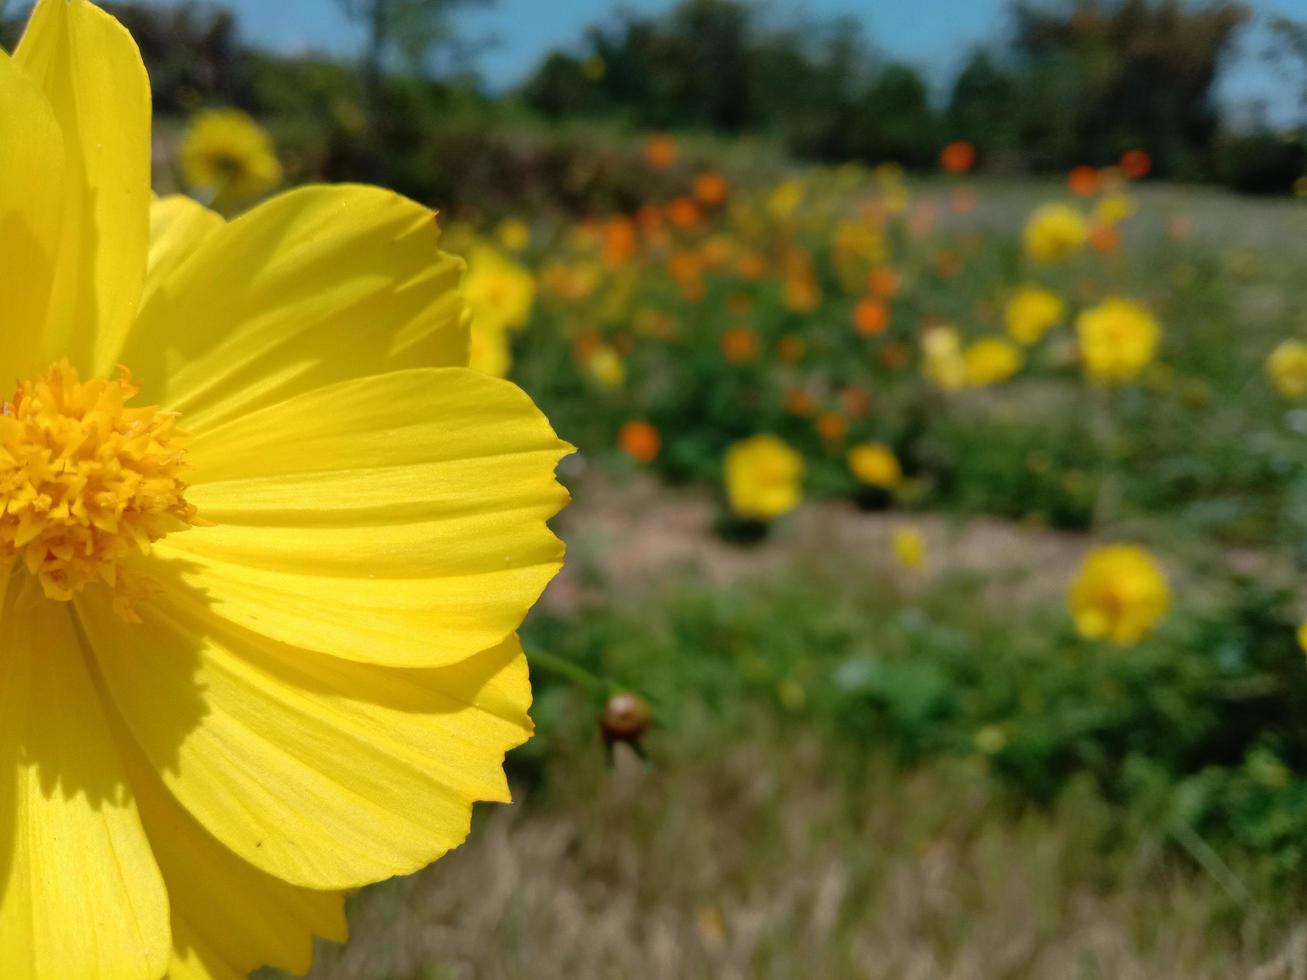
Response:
column 749, row 861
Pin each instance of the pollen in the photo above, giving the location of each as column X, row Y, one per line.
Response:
column 86, row 482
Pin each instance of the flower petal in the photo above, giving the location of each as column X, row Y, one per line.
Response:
column 398, row 519
column 91, row 72
column 31, row 187
column 228, row 917
column 82, row 894
column 313, row 287
column 325, row 773
column 177, row 227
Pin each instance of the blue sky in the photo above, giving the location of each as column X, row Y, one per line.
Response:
column 933, row 34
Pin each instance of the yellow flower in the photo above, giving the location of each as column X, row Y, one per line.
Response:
column 942, row 359
column 514, row 234
column 764, row 478
column 1054, row 232
column 499, row 290
column 1119, row 594
column 227, row 157
column 1113, row 209
column 258, row 597
column 1032, row 312
column 1287, row 368
column 606, row 366
column 784, row 198
column 1118, row 339
column 909, row 547
column 875, row 464
column 990, row 361
column 1302, row 637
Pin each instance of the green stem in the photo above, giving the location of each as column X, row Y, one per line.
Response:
column 568, row 670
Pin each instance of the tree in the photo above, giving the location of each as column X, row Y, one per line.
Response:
column 415, row 31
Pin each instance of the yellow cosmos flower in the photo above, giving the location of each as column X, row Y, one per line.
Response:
column 764, row 478
column 875, row 464
column 1032, row 312
column 257, row 596
column 1054, row 233
column 941, row 358
column 909, row 547
column 1119, row 595
column 514, row 234
column 606, row 366
column 991, row 361
column 1286, row 368
column 1118, row 339
column 500, row 291
column 228, row 158
column 1113, row 209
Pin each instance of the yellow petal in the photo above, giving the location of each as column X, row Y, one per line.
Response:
column 315, row 286
column 228, row 917
column 31, row 185
column 325, row 773
column 398, row 519
column 82, row 894
column 90, row 70
column 177, row 227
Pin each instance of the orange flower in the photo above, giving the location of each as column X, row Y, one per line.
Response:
column 799, row 402
column 619, row 239
column 883, row 282
column 801, row 294
column 963, row 199
column 894, row 356
column 831, row 426
column 870, row 317
column 958, row 157
column 650, row 219
column 585, row 345
column 752, row 266
column 1136, row 163
column 661, row 151
column 857, row 402
column 640, row 441
column 683, row 212
column 684, row 265
column 1083, row 180
column 739, row 304
column 740, row 344
column 791, row 348
column 1105, row 238
column 710, row 188
column 948, row 264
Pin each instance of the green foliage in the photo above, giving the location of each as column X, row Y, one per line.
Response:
column 1200, row 730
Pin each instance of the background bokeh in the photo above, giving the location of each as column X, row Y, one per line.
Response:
column 938, row 378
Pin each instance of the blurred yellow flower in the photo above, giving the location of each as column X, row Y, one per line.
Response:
column 1302, row 637
column 228, row 158
column 1032, row 312
column 499, row 290
column 942, row 359
column 1287, row 368
column 875, row 464
column 990, row 361
column 909, row 547
column 784, row 198
column 1113, row 209
column 764, row 478
column 1119, row 594
column 606, row 366
column 1054, row 232
column 1118, row 339
column 514, row 234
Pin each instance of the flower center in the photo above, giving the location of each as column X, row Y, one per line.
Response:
column 86, row 481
